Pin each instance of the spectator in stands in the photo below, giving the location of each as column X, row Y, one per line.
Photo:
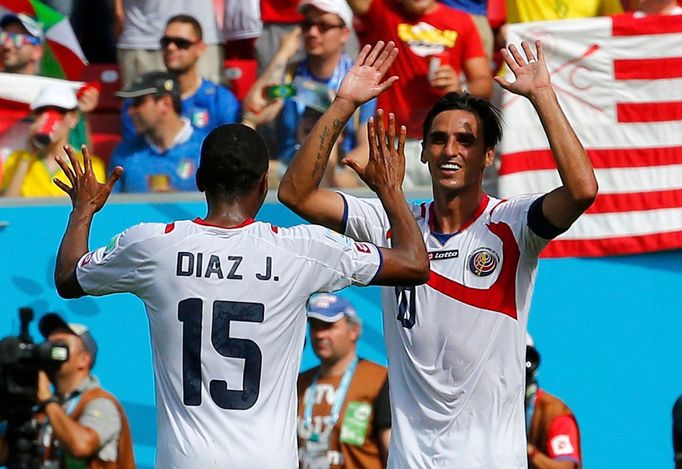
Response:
column 344, row 416
column 436, row 45
column 29, row 172
column 478, row 9
column 656, row 7
column 139, row 25
column 164, row 154
column 325, row 31
column 279, row 17
column 84, row 426
column 21, row 51
column 553, row 434
column 524, row 11
column 205, row 103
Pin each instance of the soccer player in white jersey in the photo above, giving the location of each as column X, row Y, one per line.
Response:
column 456, row 345
column 226, row 295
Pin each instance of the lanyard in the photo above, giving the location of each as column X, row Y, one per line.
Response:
column 339, row 396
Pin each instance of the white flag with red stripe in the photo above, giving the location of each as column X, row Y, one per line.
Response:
column 619, row 80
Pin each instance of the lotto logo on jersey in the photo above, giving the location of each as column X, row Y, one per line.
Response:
column 363, row 248
column 561, row 445
column 437, row 255
column 483, row 262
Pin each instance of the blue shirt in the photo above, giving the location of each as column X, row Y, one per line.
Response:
column 292, row 112
column 473, row 7
column 212, row 105
column 145, row 165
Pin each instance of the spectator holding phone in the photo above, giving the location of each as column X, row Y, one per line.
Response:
column 325, row 31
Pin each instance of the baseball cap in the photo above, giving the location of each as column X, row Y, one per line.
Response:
column 58, row 95
column 330, row 308
column 52, row 322
column 339, row 7
column 151, row 83
column 31, row 26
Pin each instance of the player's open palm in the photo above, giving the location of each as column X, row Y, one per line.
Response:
column 364, row 80
column 530, row 71
column 385, row 169
column 85, row 191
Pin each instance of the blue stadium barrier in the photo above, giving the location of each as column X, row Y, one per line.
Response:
column 609, row 329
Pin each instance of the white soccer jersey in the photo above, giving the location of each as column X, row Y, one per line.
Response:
column 456, row 345
column 226, row 309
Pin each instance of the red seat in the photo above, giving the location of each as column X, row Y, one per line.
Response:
column 109, row 76
column 105, row 129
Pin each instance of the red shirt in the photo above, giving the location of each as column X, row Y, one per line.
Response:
column 280, row 11
column 445, row 31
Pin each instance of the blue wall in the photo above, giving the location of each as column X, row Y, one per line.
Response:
column 608, row 329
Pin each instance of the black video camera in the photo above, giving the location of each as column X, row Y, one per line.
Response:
column 20, row 361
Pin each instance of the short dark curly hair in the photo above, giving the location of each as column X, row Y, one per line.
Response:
column 234, row 159
column 488, row 114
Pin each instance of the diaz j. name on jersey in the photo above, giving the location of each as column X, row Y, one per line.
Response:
column 456, row 345
column 226, row 309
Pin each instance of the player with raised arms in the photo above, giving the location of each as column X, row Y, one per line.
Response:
column 456, row 345
column 226, row 295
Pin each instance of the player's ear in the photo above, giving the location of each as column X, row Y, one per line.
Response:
column 489, row 156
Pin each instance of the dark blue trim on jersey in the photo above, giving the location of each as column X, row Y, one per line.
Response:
column 381, row 265
column 538, row 222
column 443, row 237
column 344, row 218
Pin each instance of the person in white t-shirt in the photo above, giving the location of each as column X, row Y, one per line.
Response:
column 456, row 345
column 226, row 295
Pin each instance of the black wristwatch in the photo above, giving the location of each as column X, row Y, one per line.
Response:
column 49, row 400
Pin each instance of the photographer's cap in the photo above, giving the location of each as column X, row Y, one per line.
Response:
column 52, row 322
column 330, row 308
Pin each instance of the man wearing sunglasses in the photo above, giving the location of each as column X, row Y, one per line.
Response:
column 326, row 29
column 21, row 44
column 205, row 103
column 163, row 155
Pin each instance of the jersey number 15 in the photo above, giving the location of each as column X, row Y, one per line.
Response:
column 190, row 314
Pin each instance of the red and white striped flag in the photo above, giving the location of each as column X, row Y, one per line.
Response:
column 619, row 81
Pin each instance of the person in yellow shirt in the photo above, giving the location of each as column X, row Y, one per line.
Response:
column 29, row 172
column 523, row 11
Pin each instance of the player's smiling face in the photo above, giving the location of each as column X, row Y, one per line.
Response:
column 455, row 151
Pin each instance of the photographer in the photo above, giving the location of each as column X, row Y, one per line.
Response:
column 81, row 425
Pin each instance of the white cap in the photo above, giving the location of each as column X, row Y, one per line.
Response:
column 58, row 95
column 339, row 7
column 529, row 340
column 34, row 28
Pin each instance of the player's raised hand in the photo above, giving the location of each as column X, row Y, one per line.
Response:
column 85, row 191
column 530, row 71
column 364, row 80
column 386, row 166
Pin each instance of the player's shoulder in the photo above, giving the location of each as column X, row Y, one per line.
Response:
column 143, row 231
column 513, row 207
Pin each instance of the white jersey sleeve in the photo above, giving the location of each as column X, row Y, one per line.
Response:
column 334, row 261
column 116, row 267
column 514, row 212
column 366, row 219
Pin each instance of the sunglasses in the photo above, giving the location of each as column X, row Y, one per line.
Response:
column 180, row 42
column 17, row 39
column 321, row 26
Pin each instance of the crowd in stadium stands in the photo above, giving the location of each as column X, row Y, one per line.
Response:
column 283, row 59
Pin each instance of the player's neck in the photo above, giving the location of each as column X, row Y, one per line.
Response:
column 227, row 214
column 337, row 368
column 189, row 82
column 453, row 212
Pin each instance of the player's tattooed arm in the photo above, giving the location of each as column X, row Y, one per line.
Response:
column 300, row 187
column 88, row 196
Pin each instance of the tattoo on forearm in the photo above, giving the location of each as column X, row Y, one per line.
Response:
column 322, row 154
